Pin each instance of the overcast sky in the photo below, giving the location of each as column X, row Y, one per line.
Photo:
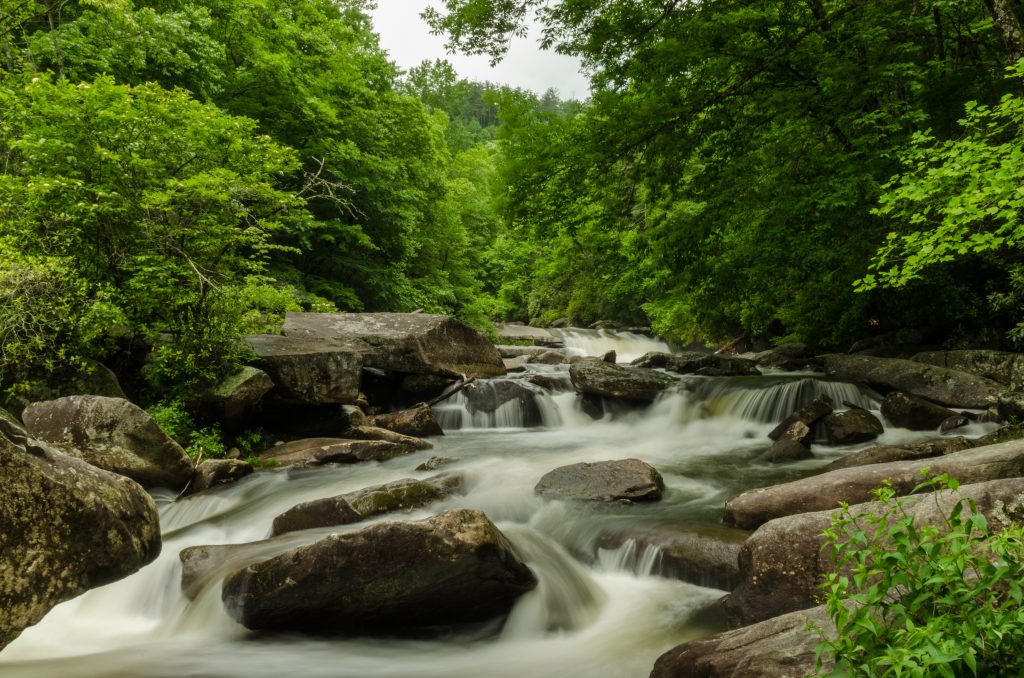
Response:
column 408, row 40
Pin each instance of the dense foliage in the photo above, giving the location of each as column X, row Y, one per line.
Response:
column 924, row 600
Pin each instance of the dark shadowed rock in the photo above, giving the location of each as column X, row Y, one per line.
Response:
column 808, row 416
column 598, row 378
column 65, row 527
column 952, row 423
column 411, row 343
column 112, row 434
column 625, row 479
column 314, row 451
column 352, row 507
column 426, row 385
column 782, row 563
column 917, row 414
column 786, row 449
column 791, row 357
column 454, row 568
column 215, row 472
column 783, row 647
column 307, row 371
column 91, row 378
column 1001, row 435
column 881, row 454
column 947, row 387
column 435, row 463
column 851, row 427
column 1005, row 368
column 706, row 364
column 416, row 421
column 236, row 399
column 753, row 508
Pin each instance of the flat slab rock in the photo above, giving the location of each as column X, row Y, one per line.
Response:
column 315, row 451
column 753, row 508
column 308, row 371
column 621, row 480
column 65, row 527
column 598, row 378
column 454, row 568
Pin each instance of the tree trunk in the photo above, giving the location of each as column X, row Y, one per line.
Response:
column 1008, row 24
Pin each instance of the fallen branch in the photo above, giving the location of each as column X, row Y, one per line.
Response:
column 463, row 385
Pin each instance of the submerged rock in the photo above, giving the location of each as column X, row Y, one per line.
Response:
column 753, row 508
column 783, row 647
column 917, row 414
column 112, row 434
column 598, row 378
column 947, row 387
column 65, row 527
column 454, row 568
column 786, row 449
column 314, row 451
column 625, row 479
column 352, row 507
column 852, row 427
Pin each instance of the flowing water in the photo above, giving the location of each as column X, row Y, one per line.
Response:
column 596, row 612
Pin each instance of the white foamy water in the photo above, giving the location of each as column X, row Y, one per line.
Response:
column 628, row 346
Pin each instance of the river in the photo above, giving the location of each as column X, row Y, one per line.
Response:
column 596, row 613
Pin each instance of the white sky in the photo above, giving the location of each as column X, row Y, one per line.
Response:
column 407, row 39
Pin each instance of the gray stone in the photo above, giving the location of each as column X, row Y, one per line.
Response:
column 598, row 378
column 65, row 527
column 625, row 480
column 808, row 416
column 434, row 463
column 315, row 451
column 112, row 434
column 416, row 421
column 377, row 433
column 1001, row 435
column 308, row 371
column 518, row 333
column 236, row 399
column 947, row 387
column 791, row 357
column 952, row 423
column 881, row 454
column 411, row 343
column 852, row 427
column 1005, row 368
column 753, row 508
column 454, row 568
column 214, row 472
column 786, row 449
column 917, row 414
column 693, row 362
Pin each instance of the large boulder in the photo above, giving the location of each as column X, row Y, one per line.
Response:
column 622, row 480
column 316, row 451
column 782, row 564
column 377, row 433
column 791, row 357
column 881, row 454
column 783, row 647
column 1001, row 366
column 454, row 568
column 416, row 421
column 400, row 495
column 65, row 527
column 951, row 388
column 799, row 425
column 851, row 427
column 598, row 378
column 521, row 395
column 112, row 434
column 693, row 362
column 214, row 472
column 786, row 449
column 917, row 414
column 411, row 343
column 236, row 399
column 308, row 371
column 535, row 335
column 753, row 508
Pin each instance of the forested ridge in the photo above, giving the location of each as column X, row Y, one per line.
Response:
column 178, row 174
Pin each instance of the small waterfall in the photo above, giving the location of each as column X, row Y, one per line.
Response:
column 768, row 400
column 639, row 559
column 499, row 403
column 628, row 346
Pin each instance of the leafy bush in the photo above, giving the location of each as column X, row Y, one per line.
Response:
column 923, row 600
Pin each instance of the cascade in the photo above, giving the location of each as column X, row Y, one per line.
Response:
column 628, row 346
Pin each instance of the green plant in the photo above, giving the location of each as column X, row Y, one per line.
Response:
column 206, row 443
column 172, row 417
column 259, row 462
column 249, row 441
column 923, row 600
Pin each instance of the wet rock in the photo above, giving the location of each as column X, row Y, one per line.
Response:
column 791, row 357
column 548, row 358
column 65, row 527
column 852, row 427
column 917, row 414
column 416, row 421
column 783, row 647
column 705, row 364
column 1001, row 435
column 616, row 381
column 609, row 357
column 454, row 568
column 704, row 555
column 315, row 451
column 799, row 425
column 953, row 423
column 236, row 399
column 356, row 417
column 353, row 507
column 519, row 395
column 1000, row 366
column 435, row 463
column 215, row 472
column 112, row 434
column 786, row 449
column 782, row 563
column 308, row 371
column 523, row 333
column 11, row 428
column 625, row 479
column 425, row 384
column 377, row 433
column 512, row 352
column 516, row 364
column 753, row 508
column 881, row 454
column 947, row 387
column 409, row 343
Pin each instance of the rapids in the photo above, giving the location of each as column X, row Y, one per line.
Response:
column 595, row 613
